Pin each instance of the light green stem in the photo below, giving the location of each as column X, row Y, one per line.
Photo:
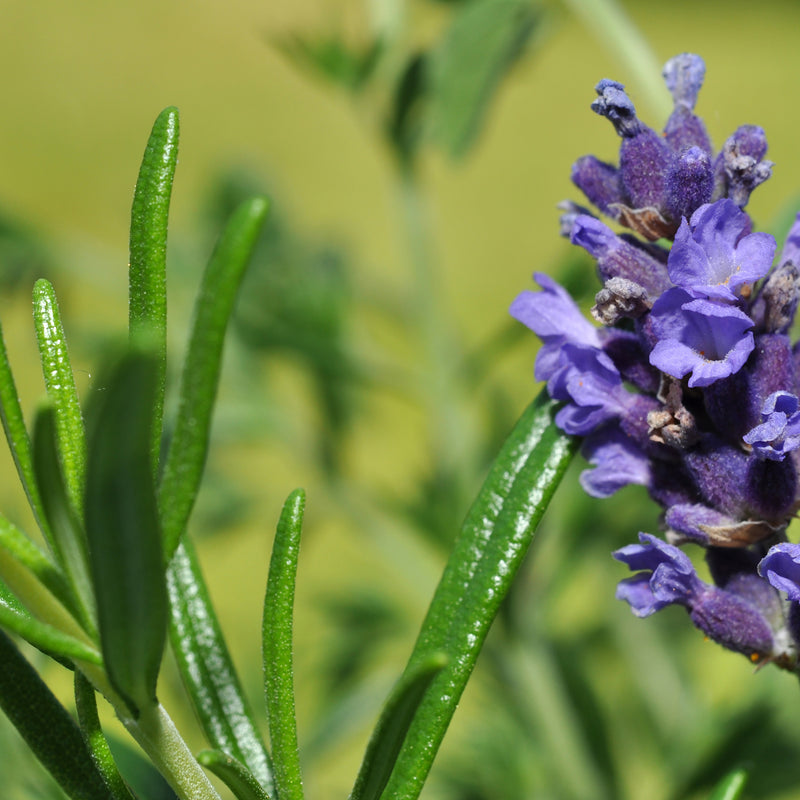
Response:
column 449, row 437
column 157, row 735
column 159, row 738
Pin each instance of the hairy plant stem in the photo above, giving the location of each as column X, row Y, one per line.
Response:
column 156, row 734
column 443, row 406
column 155, row 731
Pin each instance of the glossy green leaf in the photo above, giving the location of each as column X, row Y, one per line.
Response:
column 207, row 670
column 122, row 524
column 148, row 252
column 68, row 537
column 486, row 556
column 731, row 786
column 18, row 439
column 390, row 732
column 60, row 384
column 485, row 38
column 186, row 456
column 235, row 775
column 277, row 648
column 45, row 725
column 86, row 706
column 16, row 546
column 16, row 618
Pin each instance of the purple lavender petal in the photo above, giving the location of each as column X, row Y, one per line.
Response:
column 669, row 578
column 708, row 339
column 712, row 256
column 636, row 592
column 553, row 315
column 668, row 574
column 779, row 432
column 781, row 567
column 617, row 460
column 590, row 383
column 651, row 552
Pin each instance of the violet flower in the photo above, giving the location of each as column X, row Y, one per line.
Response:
column 714, row 254
column 690, row 386
column 667, row 577
column 706, row 340
column 779, row 432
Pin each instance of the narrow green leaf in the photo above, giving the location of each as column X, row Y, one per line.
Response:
column 207, row 670
column 187, row 452
column 277, row 648
column 486, row 556
column 15, row 617
column 60, row 384
column 69, row 539
column 731, row 786
column 86, row 706
column 45, row 725
column 18, row 440
column 390, row 732
column 236, row 776
column 122, row 524
column 15, row 545
column 148, row 253
column 485, row 38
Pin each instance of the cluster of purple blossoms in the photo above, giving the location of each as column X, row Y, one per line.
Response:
column 690, row 386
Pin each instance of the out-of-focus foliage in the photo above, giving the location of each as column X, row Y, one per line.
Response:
column 573, row 697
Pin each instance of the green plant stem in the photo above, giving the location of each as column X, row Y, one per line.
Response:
column 159, row 738
column 439, row 374
column 613, row 27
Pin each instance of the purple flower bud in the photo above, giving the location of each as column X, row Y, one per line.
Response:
column 600, row 182
column 706, row 526
column 613, row 104
column 741, row 165
column 684, row 75
column 719, row 472
column 775, row 307
column 708, row 340
column 690, row 183
column 619, row 258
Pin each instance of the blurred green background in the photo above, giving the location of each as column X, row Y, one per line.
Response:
column 379, row 370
